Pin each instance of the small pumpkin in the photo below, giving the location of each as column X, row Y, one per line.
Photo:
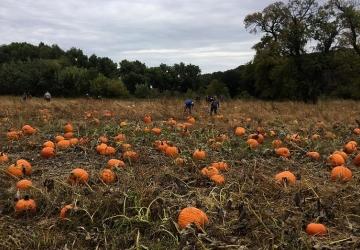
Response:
column 49, row 144
column 126, row 147
column 74, row 141
column 316, row 229
column 25, row 205
column 191, row 120
column 171, row 122
column 28, row 130
column 115, row 163
column 64, row 211
column 68, row 135
column 350, row 147
column 156, row 131
column 342, row 153
column 191, row 215
column 13, row 135
column 64, row 144
column 199, row 155
column 120, row 138
column 221, row 166
column 253, row 144
column 131, row 155
column 107, row 176
column 341, row 173
column 109, row 151
column 313, row 155
column 357, row 131
column 78, row 175
column 25, row 165
column 16, row 170
column 336, row 160
column 47, row 152
column 59, row 138
column 172, row 151
column 283, row 152
column 285, row 177
column 147, row 119
column 276, row 143
column 239, row 131
column 101, row 148
column 356, row 160
column 23, row 184
column 218, row 179
column 258, row 137
column 68, row 128
column 3, row 158
column 209, row 171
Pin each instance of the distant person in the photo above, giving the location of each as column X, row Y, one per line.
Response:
column 189, row 104
column 47, row 96
column 214, row 105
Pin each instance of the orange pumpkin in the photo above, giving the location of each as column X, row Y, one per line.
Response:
column 221, row 166
column 350, row 147
column 147, row 119
column 23, row 184
column 47, row 152
column 25, row 205
column 172, row 151
column 357, row 131
column 258, row 137
column 240, row 131
column 199, row 155
column 3, row 158
column 49, row 144
column 120, row 138
column 59, row 138
column 209, row 171
column 313, row 155
column 336, row 160
column 68, row 135
column 316, row 229
column 27, row 169
column 341, row 173
column 156, row 131
column 64, row 144
column 64, row 211
column 171, row 122
column 191, row 120
column 115, row 163
column 218, row 179
column 16, row 170
column 101, row 148
column 13, row 135
column 356, row 160
column 191, row 215
column 342, row 153
column 109, row 151
column 107, row 176
column 283, row 152
column 74, row 141
column 68, row 128
column 276, row 143
column 285, row 176
column 252, row 143
column 28, row 130
column 130, row 155
column 78, row 175
column 125, row 147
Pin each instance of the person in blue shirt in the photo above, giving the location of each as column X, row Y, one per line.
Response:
column 189, row 104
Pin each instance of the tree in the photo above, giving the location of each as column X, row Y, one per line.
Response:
column 217, row 88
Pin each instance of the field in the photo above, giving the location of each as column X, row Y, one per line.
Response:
column 250, row 210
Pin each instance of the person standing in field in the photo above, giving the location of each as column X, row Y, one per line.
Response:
column 47, row 96
column 214, row 105
column 189, row 104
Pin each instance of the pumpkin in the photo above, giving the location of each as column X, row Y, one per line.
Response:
column 218, row 179
column 336, row 160
column 101, row 148
column 125, row 147
column 350, row 147
column 107, row 176
column 209, row 171
column 13, row 135
column 357, row 131
column 120, row 138
column 59, row 138
column 252, row 143
column 3, row 158
column 313, row 155
column 147, row 119
column 284, row 152
column 342, row 153
column 179, row 161
column 23, row 184
column 190, row 215
column 78, row 175
column 156, row 131
column 220, row 165
column 316, row 229
column 130, row 155
column 315, row 137
column 172, row 151
column 191, row 120
column 258, row 137
column 187, row 125
column 171, row 122
column 109, row 151
column 25, row 165
column 115, row 163
column 356, row 160
column 68, row 135
column 276, row 143
column 199, row 154
column 49, row 144
column 64, row 211
column 16, row 170
column 47, row 152
column 64, row 144
column 294, row 138
column 25, row 205
column 28, row 130
column 68, row 128
column 341, row 173
column 74, row 141
column 240, row 131
column 285, row 176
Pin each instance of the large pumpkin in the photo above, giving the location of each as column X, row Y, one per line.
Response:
column 191, row 215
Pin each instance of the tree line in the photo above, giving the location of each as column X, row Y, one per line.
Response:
column 307, row 50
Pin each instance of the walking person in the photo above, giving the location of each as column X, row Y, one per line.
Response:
column 214, row 105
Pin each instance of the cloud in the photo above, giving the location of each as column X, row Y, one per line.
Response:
column 208, row 33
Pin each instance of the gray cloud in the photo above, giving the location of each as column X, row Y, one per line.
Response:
column 208, row 33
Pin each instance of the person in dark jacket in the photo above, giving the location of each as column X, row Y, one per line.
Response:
column 214, row 105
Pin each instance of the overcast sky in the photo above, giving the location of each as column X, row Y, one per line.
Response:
column 208, row 33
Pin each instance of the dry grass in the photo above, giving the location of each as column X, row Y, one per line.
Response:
column 140, row 210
